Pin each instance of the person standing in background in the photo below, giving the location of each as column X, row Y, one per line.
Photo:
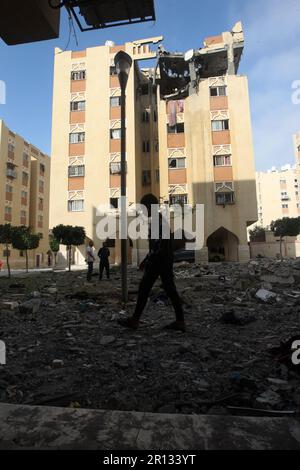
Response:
column 90, row 259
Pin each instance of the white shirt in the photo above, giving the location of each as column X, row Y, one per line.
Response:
column 90, row 254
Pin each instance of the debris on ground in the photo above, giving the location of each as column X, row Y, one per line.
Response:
column 65, row 347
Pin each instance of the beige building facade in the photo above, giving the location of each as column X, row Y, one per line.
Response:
column 278, row 193
column 189, row 139
column 25, row 188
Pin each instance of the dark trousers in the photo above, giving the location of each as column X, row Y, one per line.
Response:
column 104, row 265
column 152, row 272
column 90, row 270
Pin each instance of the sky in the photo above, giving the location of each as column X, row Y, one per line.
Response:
column 270, row 60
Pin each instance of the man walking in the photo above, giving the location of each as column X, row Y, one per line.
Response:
column 158, row 263
column 104, row 255
column 90, row 259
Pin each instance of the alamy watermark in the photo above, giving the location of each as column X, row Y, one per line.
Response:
column 296, row 93
column 139, row 222
column 2, row 353
column 2, row 92
column 296, row 353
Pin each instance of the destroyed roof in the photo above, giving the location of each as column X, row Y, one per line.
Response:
column 174, row 74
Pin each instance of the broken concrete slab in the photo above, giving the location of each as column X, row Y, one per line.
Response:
column 43, row 428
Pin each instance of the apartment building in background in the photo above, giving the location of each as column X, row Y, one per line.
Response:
column 296, row 141
column 25, row 188
column 278, row 194
column 189, row 139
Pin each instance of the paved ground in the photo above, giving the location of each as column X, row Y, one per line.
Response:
column 25, row 427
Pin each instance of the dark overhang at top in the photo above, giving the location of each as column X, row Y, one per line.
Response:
column 99, row 14
column 25, row 21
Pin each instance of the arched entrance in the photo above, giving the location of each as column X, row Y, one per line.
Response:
column 223, row 246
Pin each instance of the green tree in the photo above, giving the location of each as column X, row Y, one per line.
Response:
column 258, row 233
column 6, row 234
column 54, row 247
column 286, row 227
column 24, row 240
column 69, row 236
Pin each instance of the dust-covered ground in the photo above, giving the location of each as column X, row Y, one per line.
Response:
column 65, row 347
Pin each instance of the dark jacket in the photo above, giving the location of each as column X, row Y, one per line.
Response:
column 104, row 254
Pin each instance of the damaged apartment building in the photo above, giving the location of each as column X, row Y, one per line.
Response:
column 189, row 139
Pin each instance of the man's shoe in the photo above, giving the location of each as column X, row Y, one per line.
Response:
column 131, row 323
column 176, row 326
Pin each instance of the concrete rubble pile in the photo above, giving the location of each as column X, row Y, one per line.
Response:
column 65, row 348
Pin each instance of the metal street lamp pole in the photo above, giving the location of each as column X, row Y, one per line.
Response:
column 123, row 64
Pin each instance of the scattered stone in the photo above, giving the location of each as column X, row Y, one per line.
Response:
column 105, row 340
column 30, row 307
column 57, row 363
column 265, row 295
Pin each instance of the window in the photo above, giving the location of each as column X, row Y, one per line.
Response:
column 10, row 170
column 146, row 177
column 282, row 182
column 40, row 221
column 9, row 189
column 23, row 217
column 77, row 106
column 146, row 146
column 41, row 203
column 8, row 210
column 77, row 137
column 11, row 147
column 177, row 163
column 25, row 160
column 218, row 91
column 178, row 199
column 115, row 134
column 298, row 206
column 78, row 170
column 110, row 243
column 42, row 169
column 114, row 201
column 113, row 70
column 6, row 253
column 155, row 115
column 24, row 195
column 157, row 177
column 115, row 168
column 80, row 75
column 224, row 199
column 177, row 129
column 21, row 254
column 222, row 160
column 25, row 178
column 41, row 186
column 285, row 206
column 115, row 101
column 146, row 116
column 76, row 206
column 220, row 125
